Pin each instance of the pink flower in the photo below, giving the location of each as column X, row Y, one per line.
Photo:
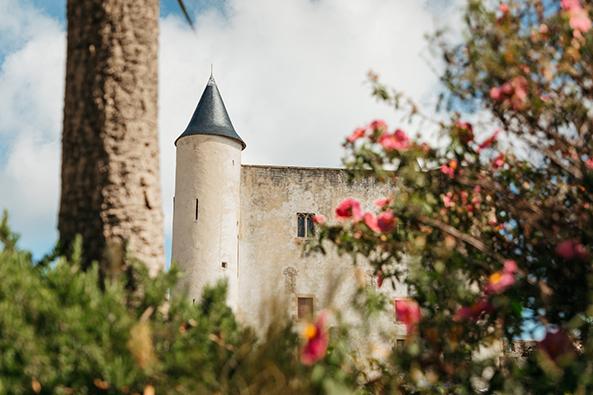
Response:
column 495, row 93
column 317, row 340
column 474, row 311
column 398, row 141
column 578, row 17
column 371, row 221
column 379, row 125
column 383, row 223
column 556, row 344
column 503, row 8
column 570, row 5
column 448, row 200
column 357, row 134
column 589, row 163
column 383, row 202
column 500, row 281
column 386, row 221
column 510, row 266
column 319, row 219
column 519, row 88
column 514, row 92
column 407, row 311
column 579, row 21
column 498, row 162
column 464, row 195
column 572, row 250
column 449, row 169
column 349, row 208
column 489, row 141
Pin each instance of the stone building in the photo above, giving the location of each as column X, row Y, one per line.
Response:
column 248, row 223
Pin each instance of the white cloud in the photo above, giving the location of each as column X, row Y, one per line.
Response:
column 31, row 81
column 292, row 74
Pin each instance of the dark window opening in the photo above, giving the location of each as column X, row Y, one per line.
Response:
column 224, row 265
column 305, row 225
column 305, row 307
column 197, row 210
column 399, row 343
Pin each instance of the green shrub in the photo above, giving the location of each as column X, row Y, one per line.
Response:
column 64, row 331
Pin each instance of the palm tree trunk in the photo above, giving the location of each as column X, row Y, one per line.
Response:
column 110, row 156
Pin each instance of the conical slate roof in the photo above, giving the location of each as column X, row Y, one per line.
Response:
column 210, row 116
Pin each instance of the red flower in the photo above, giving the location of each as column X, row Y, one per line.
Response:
column 379, row 279
column 349, row 208
column 466, row 131
column 319, row 219
column 589, row 163
column 572, row 249
column 503, row 8
column 489, row 141
column 407, row 311
column 498, row 162
column 379, row 125
column 358, row 133
column 557, row 344
column 386, row 221
column 317, row 340
column 382, row 202
column 398, row 141
column 500, row 281
column 371, row 221
column 474, row 311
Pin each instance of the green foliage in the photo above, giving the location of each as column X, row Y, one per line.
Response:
column 62, row 331
column 488, row 234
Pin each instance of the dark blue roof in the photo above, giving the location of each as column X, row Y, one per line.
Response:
column 210, row 116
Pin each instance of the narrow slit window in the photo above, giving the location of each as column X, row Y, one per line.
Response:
column 304, row 307
column 301, row 224
column 310, row 226
column 197, row 210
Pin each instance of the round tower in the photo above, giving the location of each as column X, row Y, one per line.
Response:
column 207, row 198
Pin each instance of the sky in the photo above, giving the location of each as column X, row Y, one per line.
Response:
column 292, row 74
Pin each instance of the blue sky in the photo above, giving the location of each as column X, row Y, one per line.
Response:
column 292, row 74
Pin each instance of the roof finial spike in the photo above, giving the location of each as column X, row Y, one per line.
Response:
column 211, row 80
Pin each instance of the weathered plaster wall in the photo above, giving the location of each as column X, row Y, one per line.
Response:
column 272, row 269
column 208, row 169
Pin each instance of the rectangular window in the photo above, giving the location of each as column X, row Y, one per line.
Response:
column 301, row 224
column 305, row 307
column 197, row 210
column 305, row 225
column 310, row 226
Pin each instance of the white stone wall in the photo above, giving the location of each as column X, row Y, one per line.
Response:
column 208, row 168
column 272, row 270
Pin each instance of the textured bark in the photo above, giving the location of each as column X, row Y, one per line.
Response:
column 110, row 162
